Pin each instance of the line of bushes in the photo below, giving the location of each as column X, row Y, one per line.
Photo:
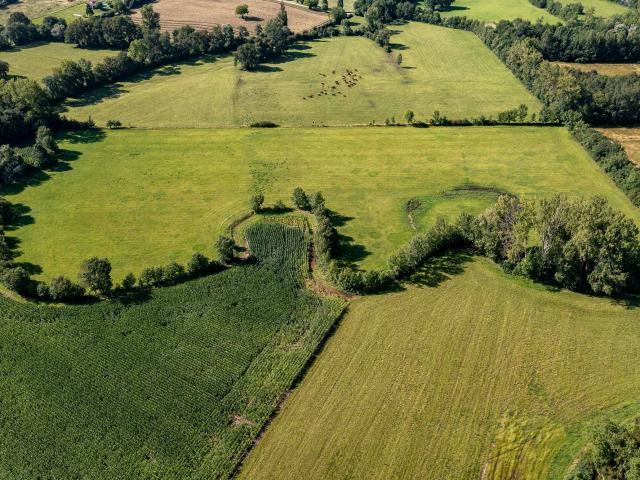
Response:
column 95, row 278
column 568, row 11
column 19, row 30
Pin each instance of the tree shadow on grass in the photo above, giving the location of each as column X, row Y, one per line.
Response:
column 89, row 135
column 107, row 92
column 441, row 268
column 349, row 252
column 454, row 8
column 630, row 302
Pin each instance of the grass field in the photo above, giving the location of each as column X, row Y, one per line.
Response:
column 612, row 69
column 443, row 69
column 38, row 60
column 496, row 10
column 37, row 8
column 602, row 8
column 629, row 138
column 484, row 376
column 172, row 386
column 145, row 197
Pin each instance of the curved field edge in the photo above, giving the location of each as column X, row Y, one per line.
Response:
column 482, row 376
column 148, row 197
column 175, row 384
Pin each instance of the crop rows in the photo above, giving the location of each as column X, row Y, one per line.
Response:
column 176, row 386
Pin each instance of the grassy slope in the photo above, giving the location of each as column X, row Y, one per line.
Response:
column 175, row 386
column 612, row 69
column 145, row 197
column 443, row 69
column 495, row 10
column 438, row 382
column 36, row 10
column 603, row 8
column 38, row 60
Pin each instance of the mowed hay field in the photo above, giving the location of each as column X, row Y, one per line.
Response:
column 37, row 8
column 496, row 10
column 628, row 137
column 602, row 8
column 38, row 60
column 484, row 376
column 204, row 14
column 147, row 197
column 611, row 69
column 443, row 69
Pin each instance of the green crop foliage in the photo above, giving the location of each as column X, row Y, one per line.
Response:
column 175, row 385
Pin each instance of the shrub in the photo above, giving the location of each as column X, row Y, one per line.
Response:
column 114, row 124
column 225, row 247
column 95, row 275
column 300, row 199
column 17, row 280
column 264, row 124
column 198, row 265
column 129, row 282
column 150, row 277
column 62, row 289
column 256, row 202
column 172, row 273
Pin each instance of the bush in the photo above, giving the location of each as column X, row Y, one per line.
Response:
column 151, row 277
column 198, row 265
column 256, row 202
column 62, row 289
column 95, row 275
column 226, row 247
column 172, row 273
column 129, row 282
column 264, row 124
column 114, row 124
column 300, row 199
column 17, row 280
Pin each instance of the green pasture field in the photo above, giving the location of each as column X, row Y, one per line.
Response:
column 147, row 197
column 469, row 373
column 602, row 8
column 496, row 10
column 38, row 60
column 173, row 385
column 38, row 9
column 442, row 69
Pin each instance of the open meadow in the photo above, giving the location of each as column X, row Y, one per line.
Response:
column 204, row 14
column 602, row 8
column 39, row 8
column 467, row 374
column 172, row 384
column 38, row 60
column 496, row 10
column 612, row 69
column 146, row 197
column 335, row 81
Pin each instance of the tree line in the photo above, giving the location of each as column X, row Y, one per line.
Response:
column 582, row 245
column 19, row 30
